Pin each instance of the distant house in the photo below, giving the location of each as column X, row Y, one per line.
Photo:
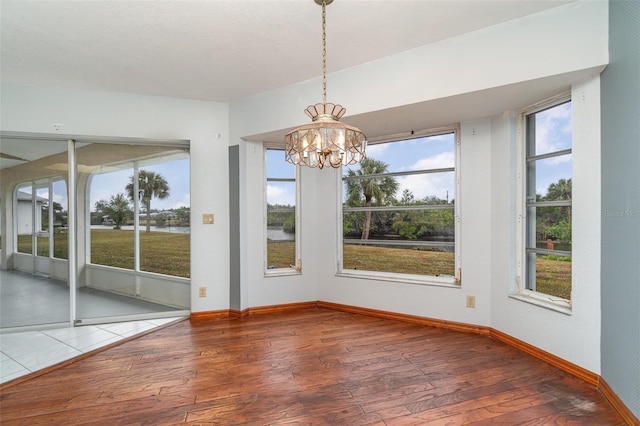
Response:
column 24, row 213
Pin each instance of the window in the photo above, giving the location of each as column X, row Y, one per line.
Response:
column 547, row 203
column 399, row 210
column 282, row 253
column 161, row 199
column 38, row 225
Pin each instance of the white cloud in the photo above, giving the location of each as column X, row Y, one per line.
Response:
column 432, row 184
column 439, row 161
column 553, row 130
column 184, row 202
column 279, row 195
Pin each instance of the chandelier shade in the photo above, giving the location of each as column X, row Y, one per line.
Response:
column 325, row 141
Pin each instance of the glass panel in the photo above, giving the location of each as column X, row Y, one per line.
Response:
column 552, row 274
column 164, row 217
column 111, row 229
column 550, row 178
column 36, row 291
column 427, row 153
column 552, row 130
column 553, row 228
column 429, row 186
column 120, row 277
column 60, row 220
column 419, row 260
column 24, row 218
column 42, row 221
column 281, row 211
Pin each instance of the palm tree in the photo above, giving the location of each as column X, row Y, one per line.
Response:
column 374, row 190
column 151, row 185
column 560, row 190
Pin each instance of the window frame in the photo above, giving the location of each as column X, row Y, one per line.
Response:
column 297, row 268
column 524, row 226
column 454, row 281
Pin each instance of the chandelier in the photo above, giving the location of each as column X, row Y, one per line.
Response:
column 325, row 141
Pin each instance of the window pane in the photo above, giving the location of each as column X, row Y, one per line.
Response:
column 60, row 220
column 551, row 129
column 111, row 219
column 552, row 274
column 24, row 218
column 418, row 260
column 549, row 180
column 164, row 216
column 553, row 228
column 382, row 239
column 281, row 213
column 42, row 220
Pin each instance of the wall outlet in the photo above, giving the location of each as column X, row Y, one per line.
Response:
column 471, row 301
column 202, row 292
column 207, row 218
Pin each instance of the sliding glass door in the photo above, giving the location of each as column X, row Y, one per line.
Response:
column 104, row 240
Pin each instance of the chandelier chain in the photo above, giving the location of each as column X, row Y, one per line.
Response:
column 324, row 52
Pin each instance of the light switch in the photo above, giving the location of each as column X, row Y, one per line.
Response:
column 207, row 218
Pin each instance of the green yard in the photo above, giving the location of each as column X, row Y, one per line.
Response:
column 168, row 253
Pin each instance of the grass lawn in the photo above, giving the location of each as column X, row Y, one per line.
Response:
column 169, row 254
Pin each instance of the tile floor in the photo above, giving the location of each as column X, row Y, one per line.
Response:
column 27, row 352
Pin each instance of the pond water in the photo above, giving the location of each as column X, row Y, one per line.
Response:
column 170, row 229
column 279, row 234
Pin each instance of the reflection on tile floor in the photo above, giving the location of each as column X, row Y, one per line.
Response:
column 27, row 352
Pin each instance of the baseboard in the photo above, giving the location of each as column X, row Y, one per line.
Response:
column 209, row 315
column 617, row 403
column 287, row 307
column 449, row 325
column 260, row 310
column 562, row 364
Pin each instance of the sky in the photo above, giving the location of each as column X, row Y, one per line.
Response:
column 553, row 133
column 176, row 173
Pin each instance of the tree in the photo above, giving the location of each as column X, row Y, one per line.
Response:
column 117, row 208
column 555, row 222
column 560, row 190
column 375, row 190
column 151, row 185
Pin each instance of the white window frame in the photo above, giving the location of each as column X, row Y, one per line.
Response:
column 297, row 268
column 519, row 291
column 451, row 281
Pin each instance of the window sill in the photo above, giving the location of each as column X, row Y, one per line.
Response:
column 281, row 272
column 401, row 278
column 544, row 301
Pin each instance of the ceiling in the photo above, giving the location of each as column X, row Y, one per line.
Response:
column 221, row 50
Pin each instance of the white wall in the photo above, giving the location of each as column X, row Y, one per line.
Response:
column 34, row 110
column 516, row 55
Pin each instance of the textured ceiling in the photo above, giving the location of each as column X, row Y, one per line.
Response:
column 221, row 50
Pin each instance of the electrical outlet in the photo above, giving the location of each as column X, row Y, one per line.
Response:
column 207, row 218
column 202, row 292
column 471, row 301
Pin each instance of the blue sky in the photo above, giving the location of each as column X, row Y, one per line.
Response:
column 176, row 173
column 553, row 133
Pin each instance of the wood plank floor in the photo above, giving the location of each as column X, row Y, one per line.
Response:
column 310, row 367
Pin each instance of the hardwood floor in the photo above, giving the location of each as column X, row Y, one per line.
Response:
column 309, row 367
